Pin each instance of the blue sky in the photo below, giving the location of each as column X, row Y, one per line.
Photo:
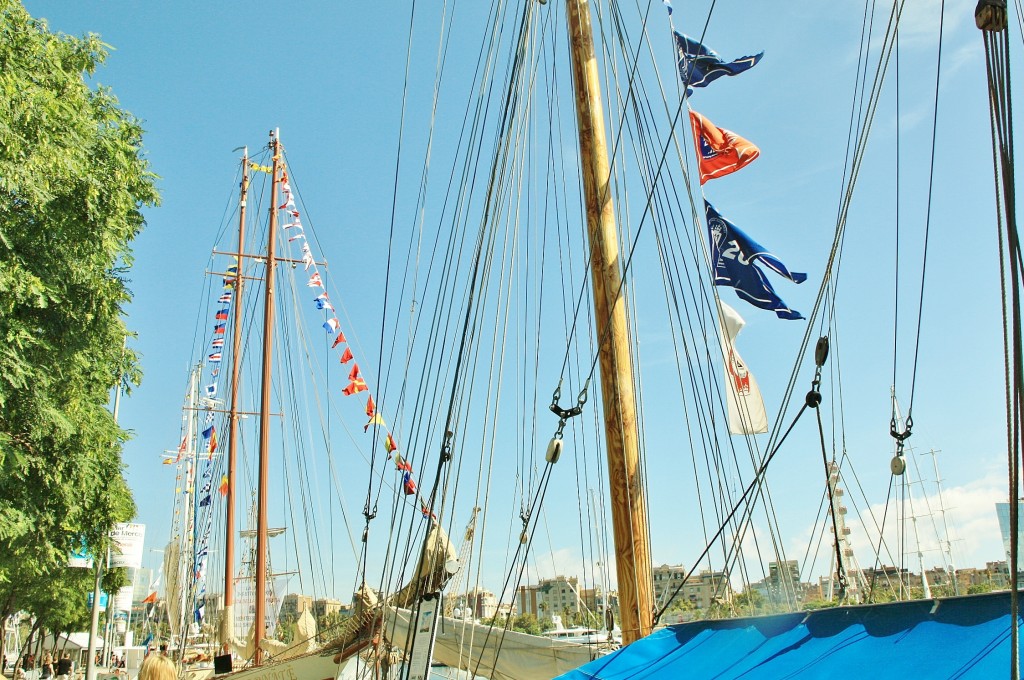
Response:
column 209, row 77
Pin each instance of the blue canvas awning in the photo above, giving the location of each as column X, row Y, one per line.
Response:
column 959, row 637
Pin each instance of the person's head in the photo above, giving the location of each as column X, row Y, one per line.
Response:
column 158, row 667
column 47, row 658
column 65, row 655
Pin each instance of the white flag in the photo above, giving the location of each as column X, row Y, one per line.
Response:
column 742, row 395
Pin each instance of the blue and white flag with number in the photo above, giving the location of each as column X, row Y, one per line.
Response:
column 734, row 256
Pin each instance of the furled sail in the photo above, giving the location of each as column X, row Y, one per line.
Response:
column 173, row 589
column 493, row 652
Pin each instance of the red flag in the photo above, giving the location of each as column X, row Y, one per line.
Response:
column 338, row 340
column 354, row 373
column 354, row 387
column 719, row 151
column 223, row 489
column 346, row 356
column 371, row 408
column 408, row 484
column 150, row 599
column 390, row 444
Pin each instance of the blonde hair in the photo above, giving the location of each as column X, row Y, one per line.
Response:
column 158, row 667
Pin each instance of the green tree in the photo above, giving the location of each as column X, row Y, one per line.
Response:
column 978, row 588
column 73, row 183
column 527, row 623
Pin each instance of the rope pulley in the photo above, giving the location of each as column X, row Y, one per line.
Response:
column 554, row 451
column 898, row 464
column 813, row 398
column 990, row 15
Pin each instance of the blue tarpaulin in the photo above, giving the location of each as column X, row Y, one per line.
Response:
column 957, row 637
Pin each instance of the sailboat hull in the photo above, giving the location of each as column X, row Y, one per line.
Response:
column 315, row 666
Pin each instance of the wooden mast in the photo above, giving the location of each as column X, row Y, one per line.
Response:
column 259, row 625
column 227, row 629
column 629, row 514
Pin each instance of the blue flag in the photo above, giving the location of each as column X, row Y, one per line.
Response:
column 734, row 256
column 699, row 66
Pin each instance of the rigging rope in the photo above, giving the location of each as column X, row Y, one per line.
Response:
column 990, row 17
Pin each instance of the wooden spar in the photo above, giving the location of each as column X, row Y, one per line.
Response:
column 227, row 628
column 629, row 514
column 260, row 623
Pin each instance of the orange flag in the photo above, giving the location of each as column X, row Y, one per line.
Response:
column 150, row 599
column 719, row 151
column 371, row 408
column 346, row 356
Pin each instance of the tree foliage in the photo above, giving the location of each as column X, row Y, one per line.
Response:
column 73, row 182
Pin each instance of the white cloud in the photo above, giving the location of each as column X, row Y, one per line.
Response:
column 970, row 519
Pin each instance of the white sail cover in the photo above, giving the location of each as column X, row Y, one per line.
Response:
column 474, row 646
column 304, row 643
column 742, row 395
column 174, row 589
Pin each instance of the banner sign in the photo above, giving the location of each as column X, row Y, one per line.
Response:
column 127, row 548
column 123, row 599
column 80, row 557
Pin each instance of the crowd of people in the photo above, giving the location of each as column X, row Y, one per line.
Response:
column 156, row 666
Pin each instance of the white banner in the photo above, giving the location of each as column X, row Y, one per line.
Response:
column 123, row 599
column 127, row 548
column 742, row 395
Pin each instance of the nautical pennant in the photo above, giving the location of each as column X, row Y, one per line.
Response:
column 699, row 66
column 223, row 488
column 356, row 383
column 215, row 357
column 719, row 151
column 221, row 315
column 315, row 281
column 218, row 329
column 734, row 256
column 322, row 302
column 331, row 325
column 225, row 298
column 371, row 408
column 375, row 419
column 346, row 356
